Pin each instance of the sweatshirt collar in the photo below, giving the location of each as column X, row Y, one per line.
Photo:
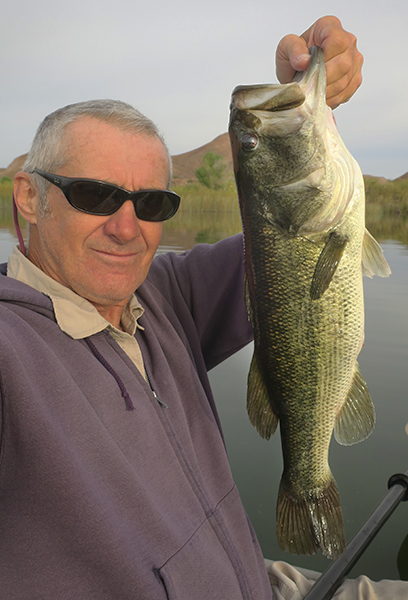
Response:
column 75, row 315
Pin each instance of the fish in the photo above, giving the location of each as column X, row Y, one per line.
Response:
column 302, row 203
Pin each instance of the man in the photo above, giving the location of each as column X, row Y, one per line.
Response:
column 114, row 481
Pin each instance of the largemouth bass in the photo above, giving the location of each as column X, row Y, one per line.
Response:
column 302, row 204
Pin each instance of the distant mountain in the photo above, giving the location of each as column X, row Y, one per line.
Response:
column 186, row 164
column 13, row 167
column 405, row 176
column 379, row 179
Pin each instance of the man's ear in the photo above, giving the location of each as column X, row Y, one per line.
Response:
column 26, row 197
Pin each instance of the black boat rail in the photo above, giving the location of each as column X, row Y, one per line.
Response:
column 331, row 579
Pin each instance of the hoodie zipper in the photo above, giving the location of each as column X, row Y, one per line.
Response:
column 159, row 400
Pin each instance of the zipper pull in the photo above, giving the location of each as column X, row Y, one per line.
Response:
column 159, row 400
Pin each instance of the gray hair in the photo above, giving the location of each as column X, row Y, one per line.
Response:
column 48, row 152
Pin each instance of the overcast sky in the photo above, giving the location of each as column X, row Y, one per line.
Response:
column 178, row 61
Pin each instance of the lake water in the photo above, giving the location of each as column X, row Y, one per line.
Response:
column 361, row 471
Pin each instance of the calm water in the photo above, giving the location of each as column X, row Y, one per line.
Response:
column 361, row 471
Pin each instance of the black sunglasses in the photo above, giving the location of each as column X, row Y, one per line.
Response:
column 101, row 198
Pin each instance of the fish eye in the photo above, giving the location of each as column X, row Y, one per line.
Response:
column 249, row 142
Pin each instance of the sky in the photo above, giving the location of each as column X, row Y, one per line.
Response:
column 177, row 61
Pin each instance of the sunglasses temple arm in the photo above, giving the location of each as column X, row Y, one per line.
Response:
column 17, row 227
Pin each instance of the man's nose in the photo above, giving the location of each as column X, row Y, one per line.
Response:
column 123, row 224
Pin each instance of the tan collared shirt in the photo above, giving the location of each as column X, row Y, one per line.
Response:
column 75, row 315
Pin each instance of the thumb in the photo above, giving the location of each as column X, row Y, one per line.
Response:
column 292, row 54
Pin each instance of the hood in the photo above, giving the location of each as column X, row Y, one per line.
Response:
column 18, row 293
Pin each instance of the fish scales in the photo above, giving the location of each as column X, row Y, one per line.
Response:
column 301, row 198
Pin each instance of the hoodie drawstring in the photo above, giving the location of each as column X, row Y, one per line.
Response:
column 110, row 369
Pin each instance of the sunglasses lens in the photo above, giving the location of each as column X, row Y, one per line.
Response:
column 104, row 199
column 156, row 205
column 95, row 198
column 100, row 198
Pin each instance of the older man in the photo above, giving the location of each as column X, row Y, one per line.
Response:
column 114, row 481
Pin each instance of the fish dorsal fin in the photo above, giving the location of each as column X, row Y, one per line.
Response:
column 327, row 264
column 374, row 262
column 356, row 419
column 259, row 408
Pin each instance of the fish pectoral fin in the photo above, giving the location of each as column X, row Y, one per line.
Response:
column 356, row 419
column 327, row 264
column 248, row 299
column 259, row 408
column 373, row 259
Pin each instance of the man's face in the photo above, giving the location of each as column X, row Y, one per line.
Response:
column 102, row 258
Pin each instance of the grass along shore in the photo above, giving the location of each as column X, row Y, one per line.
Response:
column 391, row 195
column 382, row 198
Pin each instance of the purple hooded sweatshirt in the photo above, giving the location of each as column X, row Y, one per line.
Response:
column 99, row 502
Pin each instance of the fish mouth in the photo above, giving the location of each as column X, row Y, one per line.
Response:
column 279, row 110
column 265, row 100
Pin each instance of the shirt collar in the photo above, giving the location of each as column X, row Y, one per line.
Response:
column 75, row 315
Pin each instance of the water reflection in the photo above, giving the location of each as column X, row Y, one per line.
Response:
column 187, row 229
column 361, row 471
column 386, row 227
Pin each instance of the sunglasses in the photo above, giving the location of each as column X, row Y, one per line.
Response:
column 101, row 198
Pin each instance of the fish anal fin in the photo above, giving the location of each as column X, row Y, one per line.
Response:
column 259, row 408
column 327, row 264
column 355, row 420
column 311, row 522
column 373, row 259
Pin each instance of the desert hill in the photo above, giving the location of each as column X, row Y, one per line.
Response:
column 185, row 164
column 13, row 167
column 379, row 179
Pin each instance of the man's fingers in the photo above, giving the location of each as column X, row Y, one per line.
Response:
column 340, row 92
column 343, row 60
column 292, row 55
column 343, row 75
column 328, row 34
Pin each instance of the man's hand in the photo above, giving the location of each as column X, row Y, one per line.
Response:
column 343, row 60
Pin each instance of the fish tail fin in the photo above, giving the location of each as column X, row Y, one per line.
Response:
column 259, row 408
column 314, row 521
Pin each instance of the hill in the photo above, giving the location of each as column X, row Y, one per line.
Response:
column 377, row 179
column 186, row 164
column 405, row 176
column 13, row 167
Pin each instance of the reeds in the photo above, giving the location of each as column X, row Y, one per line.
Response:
column 198, row 198
column 391, row 196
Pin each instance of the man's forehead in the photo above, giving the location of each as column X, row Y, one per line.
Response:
column 86, row 129
column 94, row 148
